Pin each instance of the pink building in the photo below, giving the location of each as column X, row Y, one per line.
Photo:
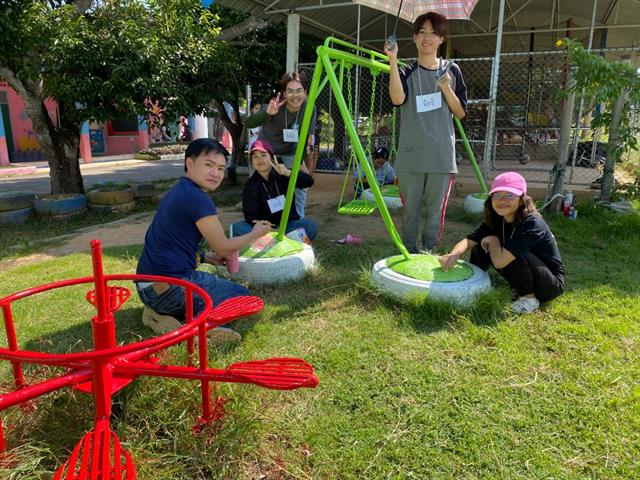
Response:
column 20, row 144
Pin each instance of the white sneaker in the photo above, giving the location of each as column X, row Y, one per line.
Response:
column 525, row 305
column 162, row 324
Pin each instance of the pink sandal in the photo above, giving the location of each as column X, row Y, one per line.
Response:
column 349, row 240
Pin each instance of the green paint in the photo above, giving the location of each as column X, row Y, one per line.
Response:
column 480, row 196
column 268, row 246
column 427, row 268
column 390, row 191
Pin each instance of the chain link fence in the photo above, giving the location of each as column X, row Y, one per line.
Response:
column 528, row 109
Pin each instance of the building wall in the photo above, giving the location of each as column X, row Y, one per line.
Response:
column 23, row 145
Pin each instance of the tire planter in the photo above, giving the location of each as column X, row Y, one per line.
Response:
column 116, row 208
column 143, row 190
column 391, row 201
column 16, row 201
column 61, row 205
column 16, row 216
column 111, row 201
column 460, row 292
column 104, row 196
column 283, row 261
column 474, row 203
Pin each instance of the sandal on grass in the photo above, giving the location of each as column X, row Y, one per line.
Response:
column 349, row 240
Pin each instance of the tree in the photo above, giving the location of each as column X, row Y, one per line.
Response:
column 254, row 55
column 615, row 86
column 102, row 60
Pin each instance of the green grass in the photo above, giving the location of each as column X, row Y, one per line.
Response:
column 422, row 391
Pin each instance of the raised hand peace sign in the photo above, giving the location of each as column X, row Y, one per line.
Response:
column 275, row 104
column 280, row 167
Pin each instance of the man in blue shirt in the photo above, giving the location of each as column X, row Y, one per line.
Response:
column 185, row 217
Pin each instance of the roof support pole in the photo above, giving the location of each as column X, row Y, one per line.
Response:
column 293, row 41
column 579, row 120
column 489, row 144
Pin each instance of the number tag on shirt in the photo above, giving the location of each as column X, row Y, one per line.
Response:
column 290, row 135
column 431, row 101
column 276, row 204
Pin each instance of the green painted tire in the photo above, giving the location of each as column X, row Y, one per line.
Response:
column 104, row 196
column 402, row 287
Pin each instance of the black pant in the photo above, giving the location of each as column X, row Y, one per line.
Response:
column 525, row 275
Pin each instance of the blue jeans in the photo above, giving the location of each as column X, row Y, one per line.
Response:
column 309, row 225
column 172, row 301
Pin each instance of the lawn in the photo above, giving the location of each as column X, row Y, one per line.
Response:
column 423, row 391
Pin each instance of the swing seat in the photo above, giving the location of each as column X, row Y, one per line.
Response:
column 358, row 207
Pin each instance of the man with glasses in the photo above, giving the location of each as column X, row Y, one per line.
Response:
column 281, row 125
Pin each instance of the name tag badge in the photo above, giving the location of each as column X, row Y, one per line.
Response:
column 290, row 135
column 431, row 101
column 276, row 204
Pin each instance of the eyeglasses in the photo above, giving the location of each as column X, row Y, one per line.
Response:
column 507, row 195
column 298, row 91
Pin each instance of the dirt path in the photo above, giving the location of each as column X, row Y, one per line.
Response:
column 322, row 203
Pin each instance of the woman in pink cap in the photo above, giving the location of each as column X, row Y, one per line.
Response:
column 516, row 241
column 264, row 193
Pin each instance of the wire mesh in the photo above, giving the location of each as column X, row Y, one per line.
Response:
column 528, row 108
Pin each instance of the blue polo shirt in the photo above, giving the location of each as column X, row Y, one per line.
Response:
column 172, row 242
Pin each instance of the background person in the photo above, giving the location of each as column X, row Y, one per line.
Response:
column 187, row 215
column 385, row 174
column 264, row 193
column 428, row 93
column 281, row 125
column 516, row 241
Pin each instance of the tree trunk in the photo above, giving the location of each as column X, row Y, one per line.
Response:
column 613, row 149
column 60, row 144
column 235, row 129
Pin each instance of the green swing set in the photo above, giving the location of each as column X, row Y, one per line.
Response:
column 337, row 56
column 363, row 206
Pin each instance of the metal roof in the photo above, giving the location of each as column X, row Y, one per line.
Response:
column 551, row 20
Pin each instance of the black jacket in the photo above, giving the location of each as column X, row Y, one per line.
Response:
column 257, row 191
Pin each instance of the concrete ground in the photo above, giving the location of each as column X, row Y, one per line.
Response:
column 125, row 169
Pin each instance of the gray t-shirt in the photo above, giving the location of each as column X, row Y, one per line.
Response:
column 273, row 125
column 427, row 139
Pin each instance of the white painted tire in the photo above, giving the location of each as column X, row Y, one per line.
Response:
column 464, row 292
column 390, row 202
column 266, row 271
column 473, row 204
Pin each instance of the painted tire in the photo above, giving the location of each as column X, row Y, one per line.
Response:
column 115, row 208
column 63, row 217
column 16, row 201
column 110, row 197
column 391, row 202
column 60, row 204
column 16, row 216
column 462, row 293
column 474, row 203
column 144, row 190
column 267, row 271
